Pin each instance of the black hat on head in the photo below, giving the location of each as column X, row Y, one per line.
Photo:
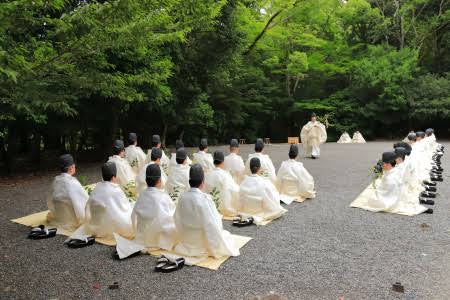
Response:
column 420, row 134
column 109, row 170
column 118, row 145
column 313, row 114
column 156, row 153
column 203, row 144
column 132, row 137
column 179, row 144
column 196, row 173
column 181, row 154
column 293, row 151
column 65, row 161
column 156, row 139
column 412, row 136
column 153, row 171
column 259, row 145
column 401, row 152
column 234, row 143
column 429, row 131
column 219, row 157
column 255, row 164
column 388, row 157
column 407, row 147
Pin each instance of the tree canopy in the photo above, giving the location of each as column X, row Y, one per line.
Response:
column 74, row 74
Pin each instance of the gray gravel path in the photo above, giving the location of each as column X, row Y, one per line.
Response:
column 320, row 249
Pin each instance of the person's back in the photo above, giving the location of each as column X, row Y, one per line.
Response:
column 267, row 168
column 68, row 200
column 178, row 180
column 125, row 173
column 203, row 158
column 198, row 223
column 155, row 158
column 134, row 154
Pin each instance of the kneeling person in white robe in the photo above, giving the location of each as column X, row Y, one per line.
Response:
column 141, row 179
column 178, row 180
column 199, row 224
column 294, row 181
column 152, row 218
column 234, row 162
column 258, row 197
column 203, row 158
column 108, row 210
column 125, row 174
column 221, row 186
column 68, row 199
column 173, row 159
column 134, row 154
column 165, row 161
column 267, row 167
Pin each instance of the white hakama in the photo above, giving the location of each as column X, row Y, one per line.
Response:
column 67, row 203
column 199, row 227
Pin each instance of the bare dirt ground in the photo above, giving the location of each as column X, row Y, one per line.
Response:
column 320, row 249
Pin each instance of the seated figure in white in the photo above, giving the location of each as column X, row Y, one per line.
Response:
column 258, row 197
column 294, row 181
column 178, row 179
column 125, row 174
column 221, row 186
column 267, row 167
column 165, row 161
column 152, row 218
column 173, row 159
column 108, row 210
column 68, row 199
column 199, row 224
column 202, row 157
column 141, row 179
column 134, row 154
column 234, row 162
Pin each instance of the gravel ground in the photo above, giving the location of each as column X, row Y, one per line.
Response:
column 320, row 249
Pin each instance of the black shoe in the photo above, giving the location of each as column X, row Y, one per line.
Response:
column 427, row 202
column 428, row 211
column 430, row 189
column 437, row 179
column 427, row 195
column 430, row 183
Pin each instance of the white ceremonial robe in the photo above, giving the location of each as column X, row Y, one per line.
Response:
column 199, row 227
column 165, row 161
column 108, row 211
column 313, row 134
column 178, row 181
column 135, row 157
column 358, row 138
column 141, row 183
column 205, row 160
column 235, row 165
column 67, row 202
column 259, row 198
column 294, row 182
column 222, row 188
column 173, row 161
column 345, row 139
column 125, row 173
column 267, row 167
column 153, row 224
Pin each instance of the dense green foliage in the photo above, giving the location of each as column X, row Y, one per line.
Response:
column 74, row 75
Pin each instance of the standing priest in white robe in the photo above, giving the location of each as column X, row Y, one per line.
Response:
column 141, row 179
column 134, row 154
column 152, row 217
column 294, row 181
column 108, row 210
column 125, row 173
column 68, row 199
column 313, row 134
column 165, row 161
column 234, row 162
column 267, row 167
column 221, row 186
column 258, row 197
column 202, row 157
column 199, row 224
column 173, row 159
column 178, row 179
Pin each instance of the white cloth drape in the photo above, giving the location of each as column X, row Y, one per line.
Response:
column 205, row 160
column 135, row 157
column 345, row 139
column 178, row 181
column 358, row 138
column 222, row 188
column 125, row 173
column 294, row 181
column 235, row 165
column 313, row 134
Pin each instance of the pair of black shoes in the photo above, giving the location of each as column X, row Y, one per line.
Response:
column 426, row 201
